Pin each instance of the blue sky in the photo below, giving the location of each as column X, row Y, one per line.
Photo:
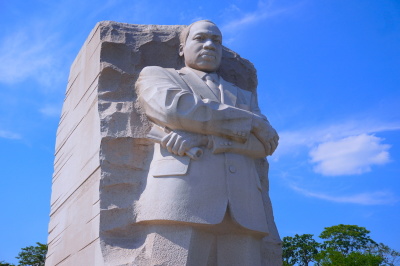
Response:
column 329, row 81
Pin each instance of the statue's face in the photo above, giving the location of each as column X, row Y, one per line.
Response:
column 203, row 47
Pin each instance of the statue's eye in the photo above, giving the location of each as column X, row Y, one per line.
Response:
column 198, row 38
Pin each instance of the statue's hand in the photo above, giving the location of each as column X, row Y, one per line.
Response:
column 265, row 133
column 179, row 142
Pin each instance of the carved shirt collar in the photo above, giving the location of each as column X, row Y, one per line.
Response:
column 202, row 74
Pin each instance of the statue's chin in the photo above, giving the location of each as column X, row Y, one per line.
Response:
column 206, row 63
column 207, row 66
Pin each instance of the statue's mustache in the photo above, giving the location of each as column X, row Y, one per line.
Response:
column 210, row 53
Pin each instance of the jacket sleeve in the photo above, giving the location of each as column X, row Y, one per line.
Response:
column 252, row 147
column 168, row 104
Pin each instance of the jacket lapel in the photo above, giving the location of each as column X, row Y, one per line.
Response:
column 229, row 92
column 196, row 84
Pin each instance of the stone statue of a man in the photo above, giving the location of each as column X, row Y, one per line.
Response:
column 204, row 208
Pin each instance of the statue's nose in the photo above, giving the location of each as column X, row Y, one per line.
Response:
column 209, row 45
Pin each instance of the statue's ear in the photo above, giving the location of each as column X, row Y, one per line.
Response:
column 181, row 49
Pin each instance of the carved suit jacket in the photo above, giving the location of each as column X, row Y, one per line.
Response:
column 199, row 191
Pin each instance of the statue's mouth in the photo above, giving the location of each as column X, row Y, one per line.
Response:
column 207, row 53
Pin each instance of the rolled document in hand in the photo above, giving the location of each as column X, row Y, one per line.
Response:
column 156, row 134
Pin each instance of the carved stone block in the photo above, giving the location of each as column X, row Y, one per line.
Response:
column 101, row 155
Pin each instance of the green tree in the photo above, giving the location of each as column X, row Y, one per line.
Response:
column 347, row 238
column 3, row 263
column 348, row 245
column 344, row 245
column 33, row 255
column 330, row 257
column 300, row 249
column 390, row 256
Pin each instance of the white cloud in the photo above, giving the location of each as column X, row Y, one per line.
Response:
column 310, row 137
column 26, row 54
column 38, row 50
column 350, row 155
column 265, row 9
column 51, row 110
column 9, row 135
column 345, row 148
column 366, row 198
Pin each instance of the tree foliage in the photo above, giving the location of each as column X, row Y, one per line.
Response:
column 347, row 238
column 344, row 245
column 300, row 249
column 332, row 257
column 33, row 255
column 3, row 263
column 390, row 256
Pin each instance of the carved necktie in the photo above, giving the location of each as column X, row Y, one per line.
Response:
column 212, row 81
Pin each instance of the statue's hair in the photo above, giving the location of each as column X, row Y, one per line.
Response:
column 185, row 32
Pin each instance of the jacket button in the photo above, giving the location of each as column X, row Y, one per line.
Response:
column 232, row 169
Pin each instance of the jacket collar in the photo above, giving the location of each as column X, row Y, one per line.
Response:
column 194, row 80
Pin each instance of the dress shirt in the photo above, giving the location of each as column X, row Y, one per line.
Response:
column 212, row 81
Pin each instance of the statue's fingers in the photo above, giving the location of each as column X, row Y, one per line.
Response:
column 177, row 144
column 275, row 143
column 183, row 148
column 275, row 139
column 171, row 142
column 261, row 137
column 267, row 147
column 165, row 140
column 273, row 147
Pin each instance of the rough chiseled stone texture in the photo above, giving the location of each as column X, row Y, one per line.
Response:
column 101, row 156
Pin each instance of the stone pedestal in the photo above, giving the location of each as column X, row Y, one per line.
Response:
column 101, row 155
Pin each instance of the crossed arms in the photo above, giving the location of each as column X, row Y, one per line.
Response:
column 195, row 121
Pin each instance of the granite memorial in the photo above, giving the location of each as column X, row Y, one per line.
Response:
column 160, row 153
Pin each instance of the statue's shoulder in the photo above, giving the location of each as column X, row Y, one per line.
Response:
column 155, row 70
column 151, row 70
column 151, row 74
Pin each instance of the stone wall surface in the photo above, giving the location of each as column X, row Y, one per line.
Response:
column 74, row 216
column 101, row 155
